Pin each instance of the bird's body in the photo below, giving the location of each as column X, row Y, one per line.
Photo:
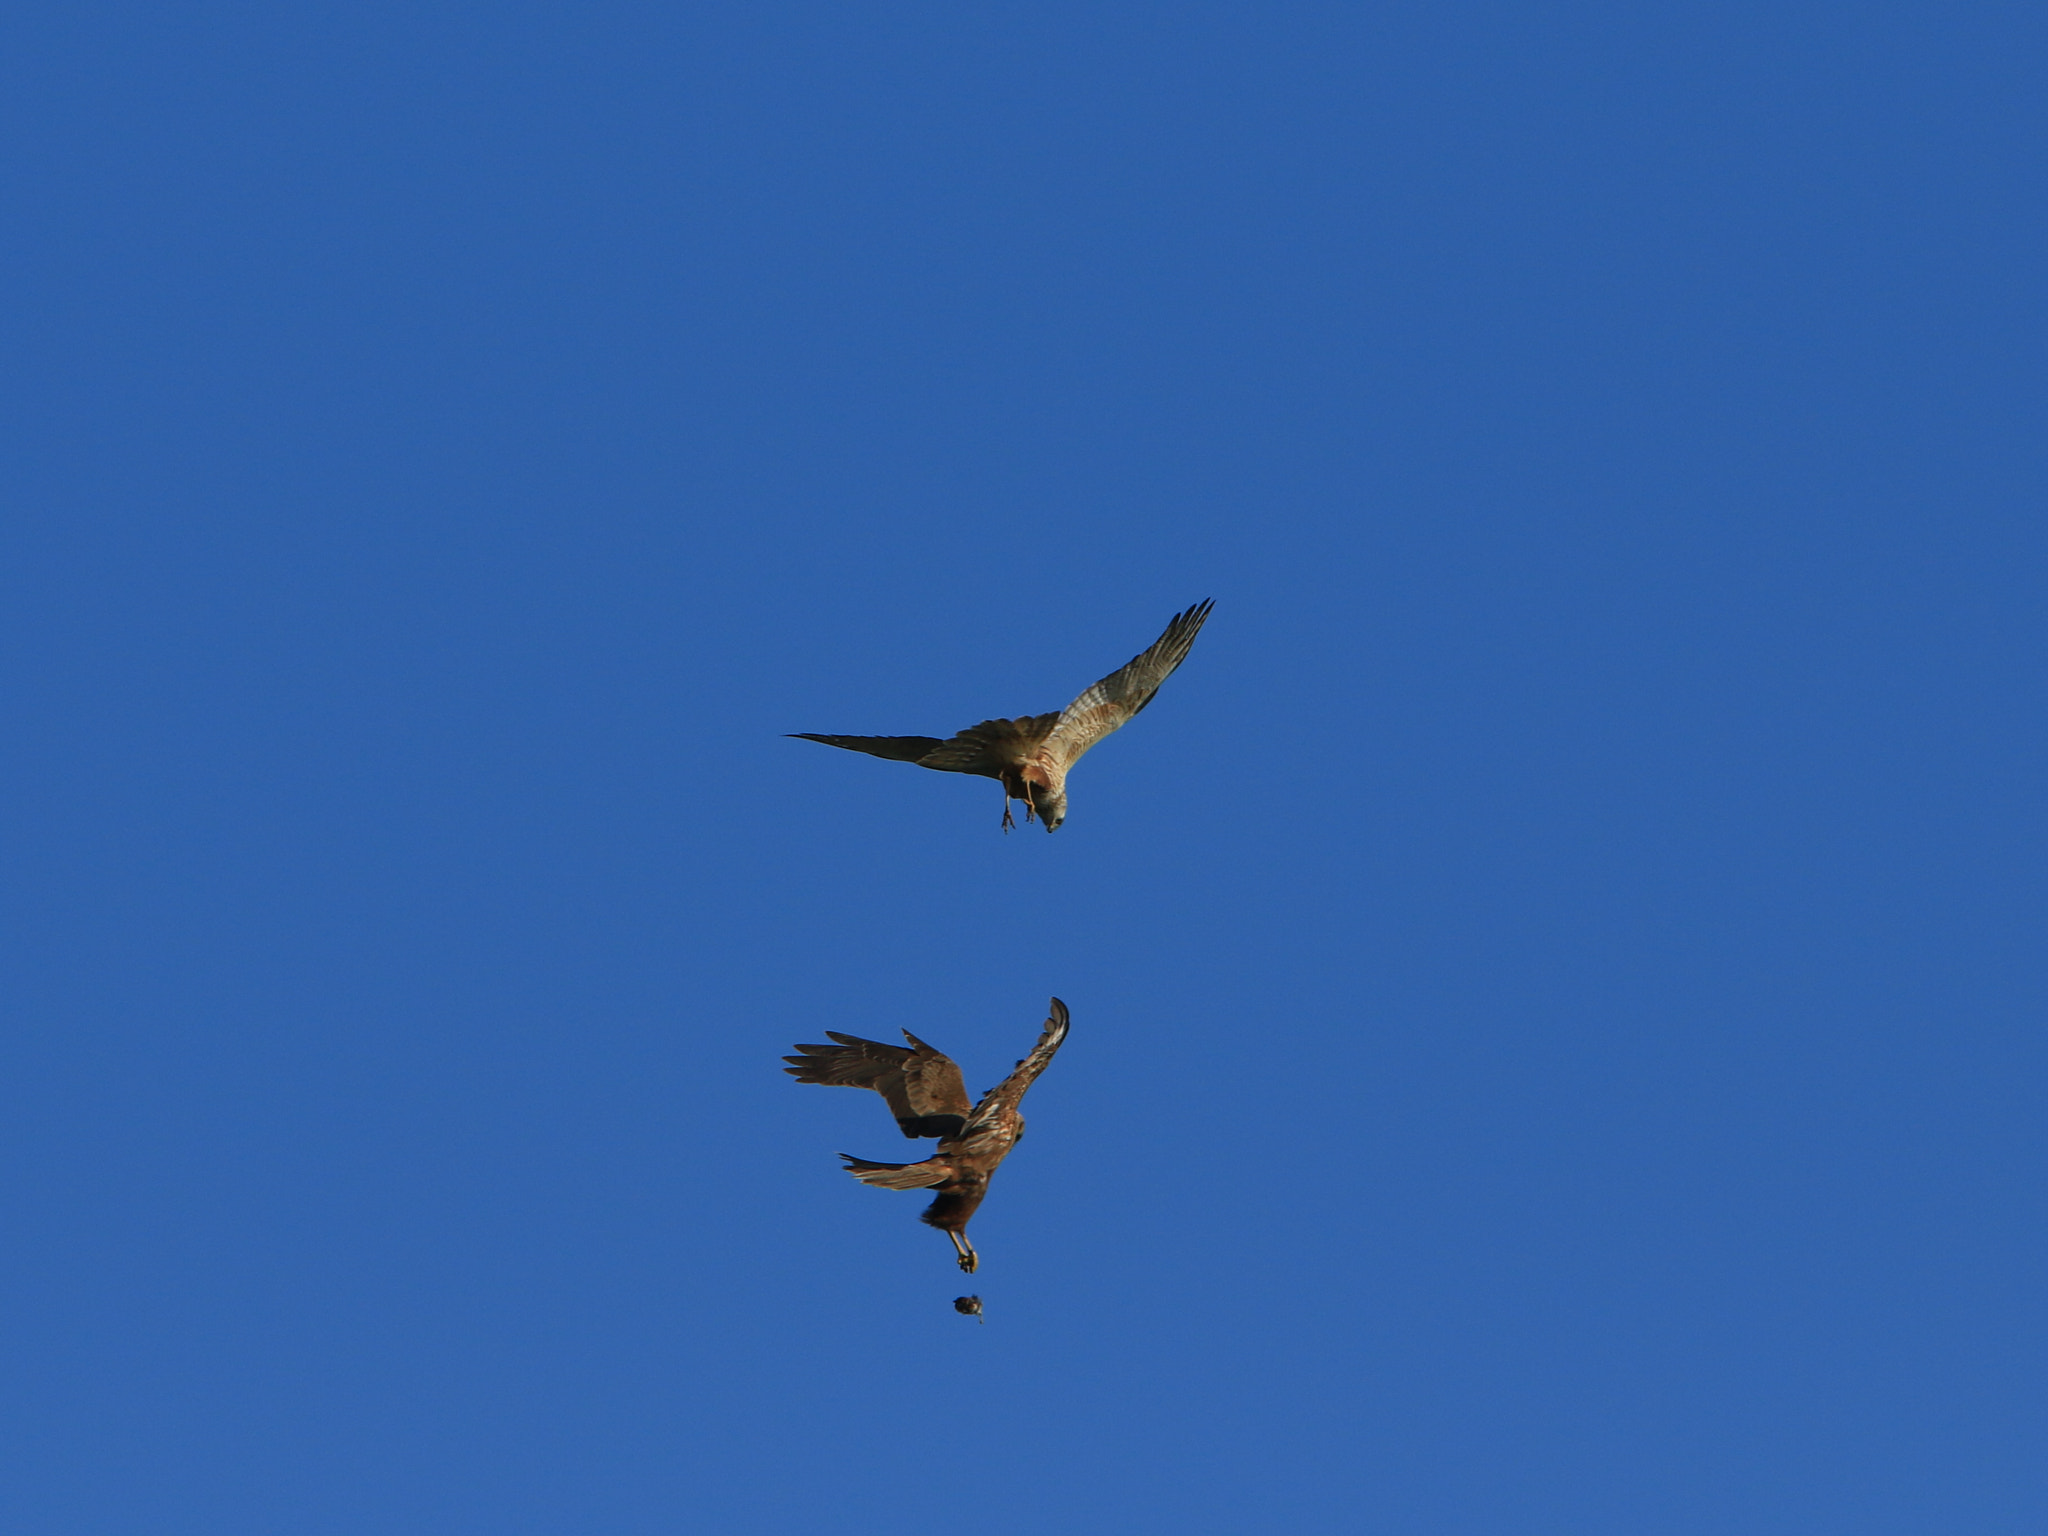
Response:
column 925, row 1091
column 1032, row 754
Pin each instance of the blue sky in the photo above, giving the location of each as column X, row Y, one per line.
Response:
column 1557, row 976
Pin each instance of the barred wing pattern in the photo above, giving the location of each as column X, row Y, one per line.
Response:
column 1002, row 1100
column 1121, row 695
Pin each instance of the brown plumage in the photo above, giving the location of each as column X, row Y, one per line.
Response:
column 1033, row 754
column 925, row 1092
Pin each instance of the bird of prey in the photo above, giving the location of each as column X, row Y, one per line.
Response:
column 924, row 1091
column 1033, row 754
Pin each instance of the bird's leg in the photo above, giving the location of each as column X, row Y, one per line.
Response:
column 969, row 1259
column 1009, row 821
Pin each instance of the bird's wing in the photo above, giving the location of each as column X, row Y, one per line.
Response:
column 992, row 746
column 1119, row 696
column 932, row 1080
column 1003, row 1098
column 921, row 1086
column 899, row 1175
column 989, row 748
column 904, row 749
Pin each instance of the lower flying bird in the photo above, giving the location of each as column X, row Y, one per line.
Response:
column 1033, row 754
column 925, row 1092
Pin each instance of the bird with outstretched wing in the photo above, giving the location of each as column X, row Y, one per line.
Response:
column 1033, row 754
column 926, row 1094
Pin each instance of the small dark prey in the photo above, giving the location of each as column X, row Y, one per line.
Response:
column 969, row 1306
column 926, row 1094
column 1033, row 754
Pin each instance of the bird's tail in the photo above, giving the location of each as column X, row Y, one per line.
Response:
column 897, row 1175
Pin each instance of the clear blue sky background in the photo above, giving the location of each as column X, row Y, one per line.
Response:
column 1557, row 977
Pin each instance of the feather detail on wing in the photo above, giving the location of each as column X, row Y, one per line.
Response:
column 1119, row 696
column 922, row 1086
column 992, row 747
column 898, row 1175
column 1005, row 1096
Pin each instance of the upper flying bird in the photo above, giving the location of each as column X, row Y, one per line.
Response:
column 1033, row 754
column 925, row 1092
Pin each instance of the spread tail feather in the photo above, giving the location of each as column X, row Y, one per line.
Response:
column 897, row 1175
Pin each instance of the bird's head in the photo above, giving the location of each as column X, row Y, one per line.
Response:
column 1051, row 805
